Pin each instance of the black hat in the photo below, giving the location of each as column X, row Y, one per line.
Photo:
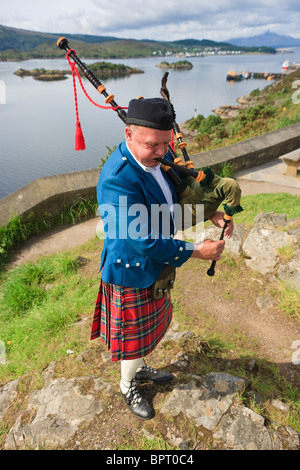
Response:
column 156, row 113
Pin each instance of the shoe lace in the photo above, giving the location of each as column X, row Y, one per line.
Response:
column 147, row 368
column 133, row 395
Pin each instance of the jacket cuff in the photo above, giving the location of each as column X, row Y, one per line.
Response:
column 184, row 252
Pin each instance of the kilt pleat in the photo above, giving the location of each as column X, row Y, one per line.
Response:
column 129, row 321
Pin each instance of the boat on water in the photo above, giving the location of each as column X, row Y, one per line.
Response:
column 288, row 66
column 236, row 76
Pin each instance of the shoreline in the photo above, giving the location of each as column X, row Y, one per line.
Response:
column 176, row 55
column 107, row 70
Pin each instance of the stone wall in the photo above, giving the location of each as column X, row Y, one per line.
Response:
column 49, row 194
column 252, row 152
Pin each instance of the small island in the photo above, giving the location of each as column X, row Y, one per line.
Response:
column 109, row 70
column 42, row 74
column 180, row 65
column 103, row 69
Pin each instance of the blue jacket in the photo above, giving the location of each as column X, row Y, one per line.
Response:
column 126, row 194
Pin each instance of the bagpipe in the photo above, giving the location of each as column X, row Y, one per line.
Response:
column 192, row 186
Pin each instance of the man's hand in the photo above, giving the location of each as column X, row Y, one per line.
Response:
column 218, row 220
column 209, row 250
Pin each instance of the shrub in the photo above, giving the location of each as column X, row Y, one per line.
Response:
column 208, row 125
column 256, row 112
column 255, row 92
column 195, row 122
column 221, row 131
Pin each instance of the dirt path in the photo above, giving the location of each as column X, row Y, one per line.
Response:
column 63, row 239
column 54, row 241
column 250, row 187
column 273, row 332
column 230, row 301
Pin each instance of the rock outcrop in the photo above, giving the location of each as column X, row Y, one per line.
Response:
column 213, row 405
column 54, row 413
column 271, row 246
column 232, row 111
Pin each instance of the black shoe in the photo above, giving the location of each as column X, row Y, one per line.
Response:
column 146, row 374
column 137, row 404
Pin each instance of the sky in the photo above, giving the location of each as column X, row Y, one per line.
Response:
column 168, row 20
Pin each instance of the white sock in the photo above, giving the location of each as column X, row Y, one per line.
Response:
column 128, row 371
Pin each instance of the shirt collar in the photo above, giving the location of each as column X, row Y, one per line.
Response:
column 145, row 168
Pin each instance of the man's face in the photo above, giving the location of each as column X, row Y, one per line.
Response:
column 148, row 144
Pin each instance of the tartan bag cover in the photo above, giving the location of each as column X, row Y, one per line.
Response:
column 129, row 320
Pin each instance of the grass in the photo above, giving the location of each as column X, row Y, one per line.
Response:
column 220, row 352
column 146, row 443
column 41, row 303
column 20, row 229
column 288, row 300
column 214, row 349
column 277, row 202
column 274, row 108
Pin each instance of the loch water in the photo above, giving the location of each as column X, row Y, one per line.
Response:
column 37, row 119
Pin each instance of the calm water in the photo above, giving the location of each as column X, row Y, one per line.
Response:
column 37, row 122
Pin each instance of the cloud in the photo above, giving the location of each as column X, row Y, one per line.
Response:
column 156, row 19
column 174, row 19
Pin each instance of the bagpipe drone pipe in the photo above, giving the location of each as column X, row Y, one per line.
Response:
column 193, row 187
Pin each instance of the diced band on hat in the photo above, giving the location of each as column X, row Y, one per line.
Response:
column 156, row 113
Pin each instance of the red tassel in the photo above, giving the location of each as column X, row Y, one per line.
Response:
column 79, row 138
column 172, row 144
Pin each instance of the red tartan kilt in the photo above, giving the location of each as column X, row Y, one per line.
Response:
column 129, row 320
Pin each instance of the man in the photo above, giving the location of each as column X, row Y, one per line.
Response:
column 127, row 316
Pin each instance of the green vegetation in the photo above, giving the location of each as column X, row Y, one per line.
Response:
column 195, row 45
column 110, row 150
column 18, row 44
column 20, row 229
column 43, row 302
column 272, row 109
column 146, row 443
column 288, row 300
column 227, row 170
column 277, row 202
column 43, row 74
column 179, row 65
column 218, row 349
column 39, row 303
column 107, row 69
column 116, row 49
column 103, row 69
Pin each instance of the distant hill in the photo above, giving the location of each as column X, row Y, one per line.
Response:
column 201, row 42
column 20, row 44
column 22, row 39
column 267, row 39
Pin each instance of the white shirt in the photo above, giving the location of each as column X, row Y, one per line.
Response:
column 159, row 178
